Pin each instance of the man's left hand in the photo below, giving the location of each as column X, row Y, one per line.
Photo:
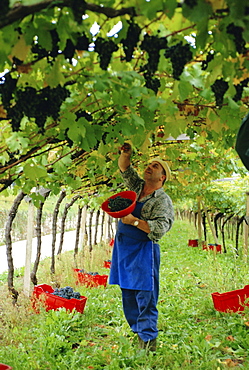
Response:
column 129, row 219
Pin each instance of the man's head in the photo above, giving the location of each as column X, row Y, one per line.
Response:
column 157, row 170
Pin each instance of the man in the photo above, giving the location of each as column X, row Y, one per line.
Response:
column 136, row 253
column 242, row 141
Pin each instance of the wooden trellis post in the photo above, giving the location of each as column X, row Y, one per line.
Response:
column 105, row 236
column 245, row 249
column 210, row 225
column 30, row 232
column 83, row 228
column 199, row 221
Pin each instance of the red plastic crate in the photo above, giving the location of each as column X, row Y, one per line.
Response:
column 215, row 247
column 107, row 264
column 5, row 367
column 233, row 301
column 52, row 302
column 90, row 280
column 111, row 243
column 193, row 243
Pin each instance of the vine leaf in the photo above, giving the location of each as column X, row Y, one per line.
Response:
column 20, row 49
column 34, row 171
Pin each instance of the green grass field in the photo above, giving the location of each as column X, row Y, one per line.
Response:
column 193, row 335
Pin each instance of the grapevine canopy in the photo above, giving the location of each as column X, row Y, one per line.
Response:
column 78, row 79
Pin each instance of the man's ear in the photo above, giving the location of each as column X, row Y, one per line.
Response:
column 163, row 177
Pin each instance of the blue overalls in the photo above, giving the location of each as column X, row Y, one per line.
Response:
column 135, row 268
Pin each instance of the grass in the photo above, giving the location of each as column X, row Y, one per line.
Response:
column 192, row 334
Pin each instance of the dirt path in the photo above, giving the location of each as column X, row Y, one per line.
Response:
column 19, row 249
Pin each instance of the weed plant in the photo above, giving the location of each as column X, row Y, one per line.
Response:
column 192, row 334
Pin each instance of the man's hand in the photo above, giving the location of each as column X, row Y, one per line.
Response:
column 142, row 225
column 126, row 148
column 125, row 156
column 129, row 219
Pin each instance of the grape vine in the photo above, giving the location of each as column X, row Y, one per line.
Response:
column 83, row 113
column 5, row 7
column 236, row 32
column 37, row 104
column 7, row 88
column 191, row 3
column 153, row 45
column 131, row 40
column 204, row 64
column 105, row 48
column 179, row 56
column 239, row 89
column 219, row 88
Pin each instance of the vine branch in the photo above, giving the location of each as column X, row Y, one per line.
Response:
column 21, row 11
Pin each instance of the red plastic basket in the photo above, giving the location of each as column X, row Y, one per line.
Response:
column 107, row 264
column 233, row 301
column 5, row 367
column 213, row 247
column 193, row 243
column 111, row 243
column 124, row 194
column 90, row 280
column 43, row 294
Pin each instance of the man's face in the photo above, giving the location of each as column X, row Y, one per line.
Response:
column 154, row 171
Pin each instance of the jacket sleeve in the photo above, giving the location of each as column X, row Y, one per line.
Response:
column 242, row 142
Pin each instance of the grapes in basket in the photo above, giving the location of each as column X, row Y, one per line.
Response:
column 119, row 203
column 66, row 292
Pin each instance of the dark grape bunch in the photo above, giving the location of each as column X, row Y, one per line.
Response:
column 219, row 88
column 153, row 45
column 237, row 32
column 37, row 104
column 82, row 43
column 191, row 3
column 89, row 273
column 105, row 48
column 119, row 203
column 239, row 89
column 82, row 113
column 179, row 55
column 66, row 292
column 204, row 64
column 151, row 82
column 131, row 40
column 7, row 88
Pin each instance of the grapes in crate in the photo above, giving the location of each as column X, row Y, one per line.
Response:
column 89, row 273
column 119, row 203
column 66, row 292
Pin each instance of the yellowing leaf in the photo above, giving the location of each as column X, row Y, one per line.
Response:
column 20, row 50
column 25, row 68
column 3, row 113
column 217, row 4
column 181, row 179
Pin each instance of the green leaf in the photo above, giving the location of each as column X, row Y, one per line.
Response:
column 184, row 88
column 151, row 104
column 138, row 121
column 199, row 13
column 150, row 8
column 55, row 77
column 67, row 120
column 169, row 7
column 17, row 142
column 34, row 171
column 232, row 104
column 202, row 35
